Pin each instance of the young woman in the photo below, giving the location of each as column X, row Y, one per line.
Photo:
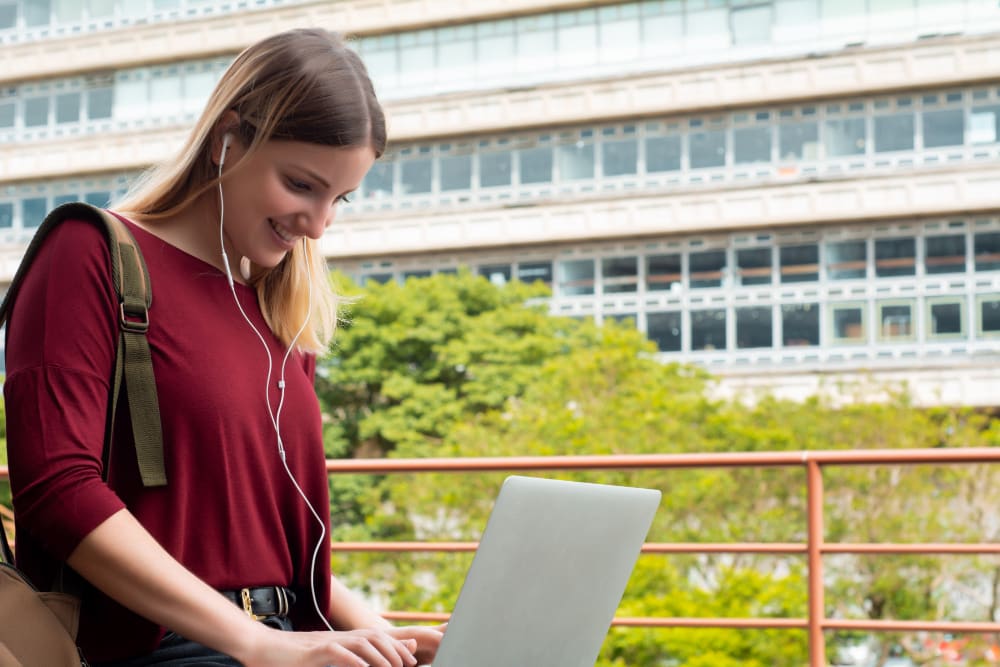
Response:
column 241, row 304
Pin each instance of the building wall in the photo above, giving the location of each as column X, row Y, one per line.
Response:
column 781, row 190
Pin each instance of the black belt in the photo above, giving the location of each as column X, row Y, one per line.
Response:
column 261, row 603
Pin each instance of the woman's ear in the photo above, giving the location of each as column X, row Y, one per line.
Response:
column 225, row 137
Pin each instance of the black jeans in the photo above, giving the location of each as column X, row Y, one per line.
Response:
column 176, row 651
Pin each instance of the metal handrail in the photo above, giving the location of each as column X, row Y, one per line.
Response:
column 814, row 548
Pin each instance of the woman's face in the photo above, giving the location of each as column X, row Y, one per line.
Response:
column 284, row 192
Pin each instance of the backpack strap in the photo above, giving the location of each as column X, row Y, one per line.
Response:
column 133, row 362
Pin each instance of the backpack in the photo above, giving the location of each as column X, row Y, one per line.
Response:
column 39, row 628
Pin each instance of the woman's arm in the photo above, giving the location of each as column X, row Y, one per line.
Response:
column 124, row 561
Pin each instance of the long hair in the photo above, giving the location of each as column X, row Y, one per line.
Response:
column 301, row 85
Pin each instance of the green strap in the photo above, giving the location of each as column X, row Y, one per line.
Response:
column 133, row 362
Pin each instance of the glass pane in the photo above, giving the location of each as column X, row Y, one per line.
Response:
column 536, row 165
column 944, row 128
column 663, row 272
column 894, row 133
column 99, row 103
column 165, row 93
column 663, row 153
column 847, row 260
column 530, row 272
column 752, row 144
column 751, row 25
column 36, row 13
column 576, row 277
column 415, row 176
column 845, row 136
column 945, row 254
column 36, row 111
column 33, row 210
column 378, row 181
column 665, row 330
column 798, row 141
column 620, row 274
column 895, row 257
column 494, row 169
column 753, row 266
column 799, row 263
column 6, row 214
column 576, row 161
column 63, row 199
column 131, row 99
column 800, row 324
column 100, row 198
column 988, row 251
column 620, row 157
column 984, row 125
column 68, row 108
column 8, row 16
column 848, row 323
column 895, row 321
column 68, row 11
column 7, row 114
column 708, row 149
column 989, row 316
column 707, row 268
column 498, row 274
column 946, row 319
column 754, row 328
column 101, row 9
column 708, row 329
column 456, row 172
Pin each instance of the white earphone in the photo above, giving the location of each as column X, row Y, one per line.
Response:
column 275, row 414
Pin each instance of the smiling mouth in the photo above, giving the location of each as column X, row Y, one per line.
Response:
column 282, row 234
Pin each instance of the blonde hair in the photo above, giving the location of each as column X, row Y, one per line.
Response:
column 301, row 85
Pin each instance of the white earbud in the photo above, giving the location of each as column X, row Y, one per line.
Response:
column 225, row 147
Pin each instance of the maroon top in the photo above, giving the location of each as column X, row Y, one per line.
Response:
column 229, row 512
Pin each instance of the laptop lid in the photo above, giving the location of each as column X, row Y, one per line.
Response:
column 548, row 575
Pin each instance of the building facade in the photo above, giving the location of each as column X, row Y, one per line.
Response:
column 790, row 193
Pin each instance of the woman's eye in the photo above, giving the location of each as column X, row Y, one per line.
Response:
column 298, row 185
column 344, row 199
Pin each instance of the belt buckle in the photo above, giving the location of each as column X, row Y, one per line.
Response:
column 248, row 604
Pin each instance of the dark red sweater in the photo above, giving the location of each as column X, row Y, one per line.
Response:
column 229, row 512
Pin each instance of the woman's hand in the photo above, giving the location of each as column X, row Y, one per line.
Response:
column 354, row 648
column 427, row 639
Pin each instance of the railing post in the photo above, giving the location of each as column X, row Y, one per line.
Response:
column 814, row 518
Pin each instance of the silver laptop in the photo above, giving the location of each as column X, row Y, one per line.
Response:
column 549, row 574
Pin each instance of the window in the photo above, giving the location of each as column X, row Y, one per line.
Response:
column 848, row 321
column 799, row 263
column 988, row 251
column 33, row 210
column 984, row 124
column 800, row 324
column 895, row 321
column 498, row 274
column 576, row 277
column 6, row 215
column 751, row 25
column 846, row 260
column 495, row 169
column 378, row 180
column 664, row 329
column 8, row 15
column 415, row 176
column 576, row 160
column 36, row 111
column 754, row 328
column 663, row 154
column 99, row 103
column 620, row 157
column 663, row 272
column 99, row 198
column 530, row 272
column 946, row 318
column 751, row 144
column 844, row 136
column 68, row 108
column 707, row 268
column 944, row 128
column 708, row 149
column 798, row 141
column 894, row 132
column 945, row 254
column 456, row 172
column 753, row 266
column 708, row 329
column 895, row 257
column 7, row 114
column 416, row 274
column 37, row 13
column 989, row 316
column 620, row 274
column 536, row 165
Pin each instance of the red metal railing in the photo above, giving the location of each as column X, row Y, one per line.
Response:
column 814, row 548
